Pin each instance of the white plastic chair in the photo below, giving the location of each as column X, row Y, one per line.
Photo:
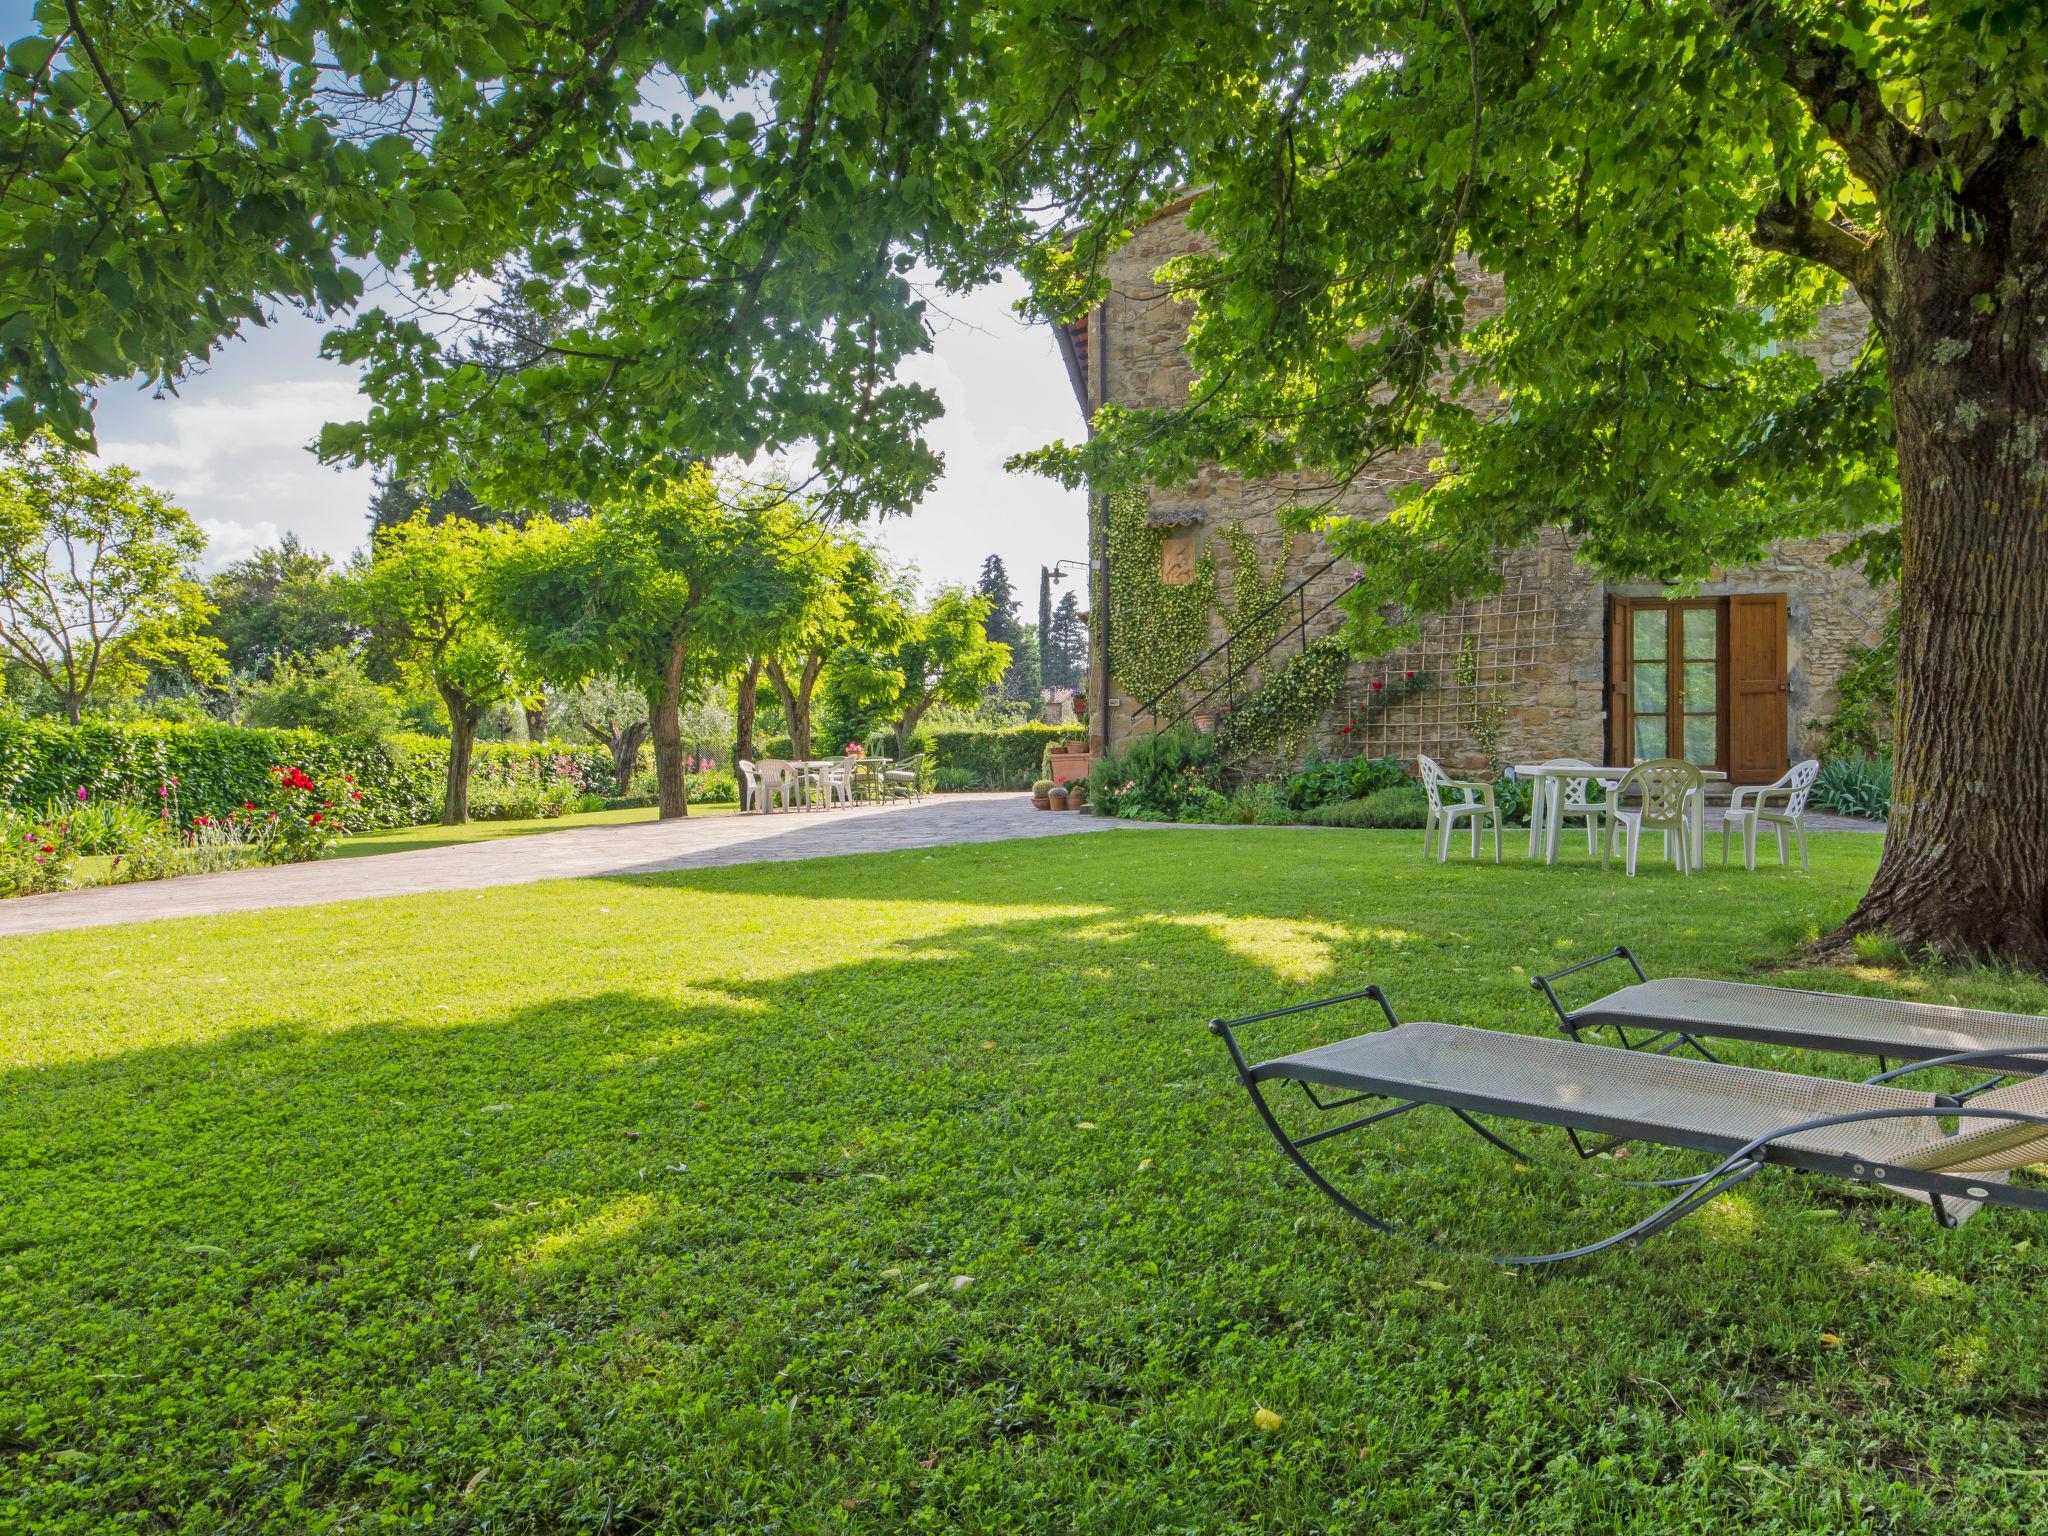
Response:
column 1475, row 805
column 753, row 793
column 1575, row 803
column 838, row 781
column 1667, row 786
column 781, row 780
column 1793, row 789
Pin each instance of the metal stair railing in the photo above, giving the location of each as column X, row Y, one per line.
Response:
column 1236, row 669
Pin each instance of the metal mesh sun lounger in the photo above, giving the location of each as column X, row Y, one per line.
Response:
column 1746, row 1118
column 1682, row 1010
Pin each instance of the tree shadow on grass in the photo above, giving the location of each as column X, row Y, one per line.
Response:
column 971, row 1228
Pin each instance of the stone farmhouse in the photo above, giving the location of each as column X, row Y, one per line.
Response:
column 1559, row 662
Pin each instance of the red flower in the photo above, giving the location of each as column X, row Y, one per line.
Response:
column 355, row 794
column 1377, row 685
column 314, row 819
column 1345, row 731
column 1409, row 675
column 248, row 805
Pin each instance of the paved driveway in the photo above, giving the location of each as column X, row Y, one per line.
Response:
column 695, row 842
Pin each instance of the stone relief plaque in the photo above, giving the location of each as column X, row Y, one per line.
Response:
column 1177, row 559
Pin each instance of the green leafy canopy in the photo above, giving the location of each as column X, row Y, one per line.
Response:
column 1667, row 195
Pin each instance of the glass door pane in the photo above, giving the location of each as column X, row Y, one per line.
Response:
column 1650, row 681
column 1700, row 698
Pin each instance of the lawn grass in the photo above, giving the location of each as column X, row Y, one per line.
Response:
column 407, row 839
column 907, row 1192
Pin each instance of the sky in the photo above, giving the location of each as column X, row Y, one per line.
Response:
column 231, row 446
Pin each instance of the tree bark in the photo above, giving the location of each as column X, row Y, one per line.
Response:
column 625, row 743
column 906, row 727
column 665, row 724
column 462, row 721
column 796, row 709
column 536, row 721
column 743, row 714
column 1965, row 865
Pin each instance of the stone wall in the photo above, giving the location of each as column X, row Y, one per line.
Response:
column 1540, row 645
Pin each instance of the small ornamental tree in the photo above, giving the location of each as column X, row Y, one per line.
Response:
column 96, row 577
column 422, row 596
column 672, row 588
column 854, row 605
column 941, row 655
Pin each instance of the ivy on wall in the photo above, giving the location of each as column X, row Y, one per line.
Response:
column 1278, row 719
column 1156, row 631
column 1252, row 617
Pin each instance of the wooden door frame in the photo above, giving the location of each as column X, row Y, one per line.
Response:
column 1621, row 711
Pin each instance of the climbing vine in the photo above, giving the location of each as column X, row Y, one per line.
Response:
column 1156, row 631
column 1278, row 718
column 1252, row 616
column 1485, row 712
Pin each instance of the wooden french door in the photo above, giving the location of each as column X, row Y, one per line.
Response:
column 1699, row 678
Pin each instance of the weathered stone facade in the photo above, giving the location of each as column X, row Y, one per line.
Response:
column 1539, row 648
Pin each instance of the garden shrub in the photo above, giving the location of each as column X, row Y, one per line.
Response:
column 1203, row 804
column 953, row 781
column 102, row 826
column 1855, row 785
column 1001, row 757
column 218, row 769
column 712, row 788
column 37, row 854
column 1400, row 806
column 1865, row 695
column 1149, row 778
column 1352, row 778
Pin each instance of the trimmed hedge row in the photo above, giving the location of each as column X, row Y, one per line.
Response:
column 1008, row 757
column 219, row 767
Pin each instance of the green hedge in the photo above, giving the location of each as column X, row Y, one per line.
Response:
column 1004, row 758
column 219, row 767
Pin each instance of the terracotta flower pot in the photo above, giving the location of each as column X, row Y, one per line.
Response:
column 1041, row 802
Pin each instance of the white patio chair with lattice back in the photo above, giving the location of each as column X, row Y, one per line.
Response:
column 1667, row 786
column 1576, row 803
column 781, row 781
column 1474, row 806
column 839, row 781
column 753, row 794
column 1792, row 789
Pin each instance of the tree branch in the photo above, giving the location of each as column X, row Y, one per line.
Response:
column 1784, row 225
column 1839, row 96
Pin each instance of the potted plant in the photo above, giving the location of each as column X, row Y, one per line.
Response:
column 1077, row 795
column 1057, row 799
column 1041, row 793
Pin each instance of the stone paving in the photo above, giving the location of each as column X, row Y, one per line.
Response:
column 637, row 848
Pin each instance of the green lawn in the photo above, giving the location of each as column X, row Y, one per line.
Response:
column 405, row 839
column 908, row 1193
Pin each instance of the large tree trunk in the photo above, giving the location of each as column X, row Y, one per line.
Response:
column 906, row 727
column 665, row 724
column 536, row 714
column 462, row 719
column 743, row 714
column 624, row 742
column 1965, row 866
column 796, row 709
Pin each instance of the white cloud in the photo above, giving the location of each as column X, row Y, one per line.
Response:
column 227, row 542
column 240, row 463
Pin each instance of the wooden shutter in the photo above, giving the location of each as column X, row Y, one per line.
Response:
column 1620, row 714
column 1758, row 689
